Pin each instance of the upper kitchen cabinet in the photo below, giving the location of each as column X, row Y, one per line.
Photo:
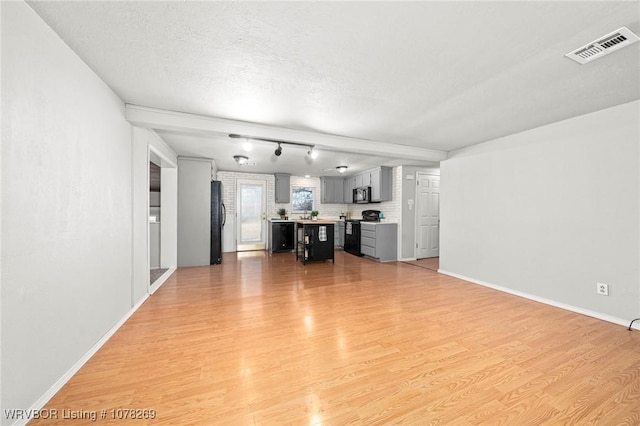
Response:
column 379, row 179
column 283, row 188
column 366, row 178
column 357, row 180
column 348, row 190
column 362, row 179
column 381, row 183
column 332, row 190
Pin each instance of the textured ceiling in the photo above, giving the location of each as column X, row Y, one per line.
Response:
column 439, row 75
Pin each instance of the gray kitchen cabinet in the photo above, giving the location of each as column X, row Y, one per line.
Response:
column 283, row 188
column 379, row 179
column 379, row 241
column 332, row 190
column 348, row 190
column 357, row 181
column 362, row 179
column 338, row 186
column 366, row 178
column 381, row 183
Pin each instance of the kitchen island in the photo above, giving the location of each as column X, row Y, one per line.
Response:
column 315, row 240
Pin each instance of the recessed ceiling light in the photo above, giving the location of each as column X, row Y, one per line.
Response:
column 307, row 176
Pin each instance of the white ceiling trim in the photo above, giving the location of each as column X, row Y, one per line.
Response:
column 193, row 124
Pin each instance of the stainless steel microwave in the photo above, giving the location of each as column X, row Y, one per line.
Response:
column 362, row 195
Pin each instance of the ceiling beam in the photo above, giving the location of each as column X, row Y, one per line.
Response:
column 193, row 124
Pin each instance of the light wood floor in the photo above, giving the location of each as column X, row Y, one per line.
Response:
column 262, row 339
column 429, row 263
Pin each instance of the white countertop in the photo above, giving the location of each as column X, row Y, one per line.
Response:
column 378, row 223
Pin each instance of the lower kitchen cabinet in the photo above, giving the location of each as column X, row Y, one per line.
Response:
column 379, row 241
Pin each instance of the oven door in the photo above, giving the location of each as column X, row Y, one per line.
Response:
column 352, row 238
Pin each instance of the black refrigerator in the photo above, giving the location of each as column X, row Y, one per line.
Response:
column 218, row 217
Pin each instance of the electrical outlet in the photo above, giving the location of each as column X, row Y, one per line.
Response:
column 602, row 289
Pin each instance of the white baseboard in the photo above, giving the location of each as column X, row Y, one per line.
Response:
column 576, row 309
column 42, row 401
column 157, row 283
column 408, row 259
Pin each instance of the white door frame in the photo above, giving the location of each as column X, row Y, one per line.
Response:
column 262, row 245
column 168, row 219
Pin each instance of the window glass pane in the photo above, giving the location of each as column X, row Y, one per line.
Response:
column 302, row 199
column 251, row 223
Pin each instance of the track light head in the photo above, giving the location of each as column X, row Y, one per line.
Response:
column 278, row 151
column 312, row 152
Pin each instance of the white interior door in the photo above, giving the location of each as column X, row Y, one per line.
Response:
column 251, row 214
column 428, row 215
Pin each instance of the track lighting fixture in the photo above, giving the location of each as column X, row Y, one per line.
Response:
column 278, row 152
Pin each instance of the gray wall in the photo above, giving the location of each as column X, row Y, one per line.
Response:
column 194, row 211
column 66, row 208
column 550, row 212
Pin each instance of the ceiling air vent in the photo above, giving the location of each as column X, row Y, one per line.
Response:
column 603, row 46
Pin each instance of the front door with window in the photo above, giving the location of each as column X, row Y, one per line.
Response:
column 251, row 198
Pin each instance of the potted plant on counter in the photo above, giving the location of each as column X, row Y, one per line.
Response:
column 283, row 213
column 314, row 214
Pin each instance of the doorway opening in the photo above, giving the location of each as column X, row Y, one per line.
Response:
column 163, row 218
column 155, row 246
